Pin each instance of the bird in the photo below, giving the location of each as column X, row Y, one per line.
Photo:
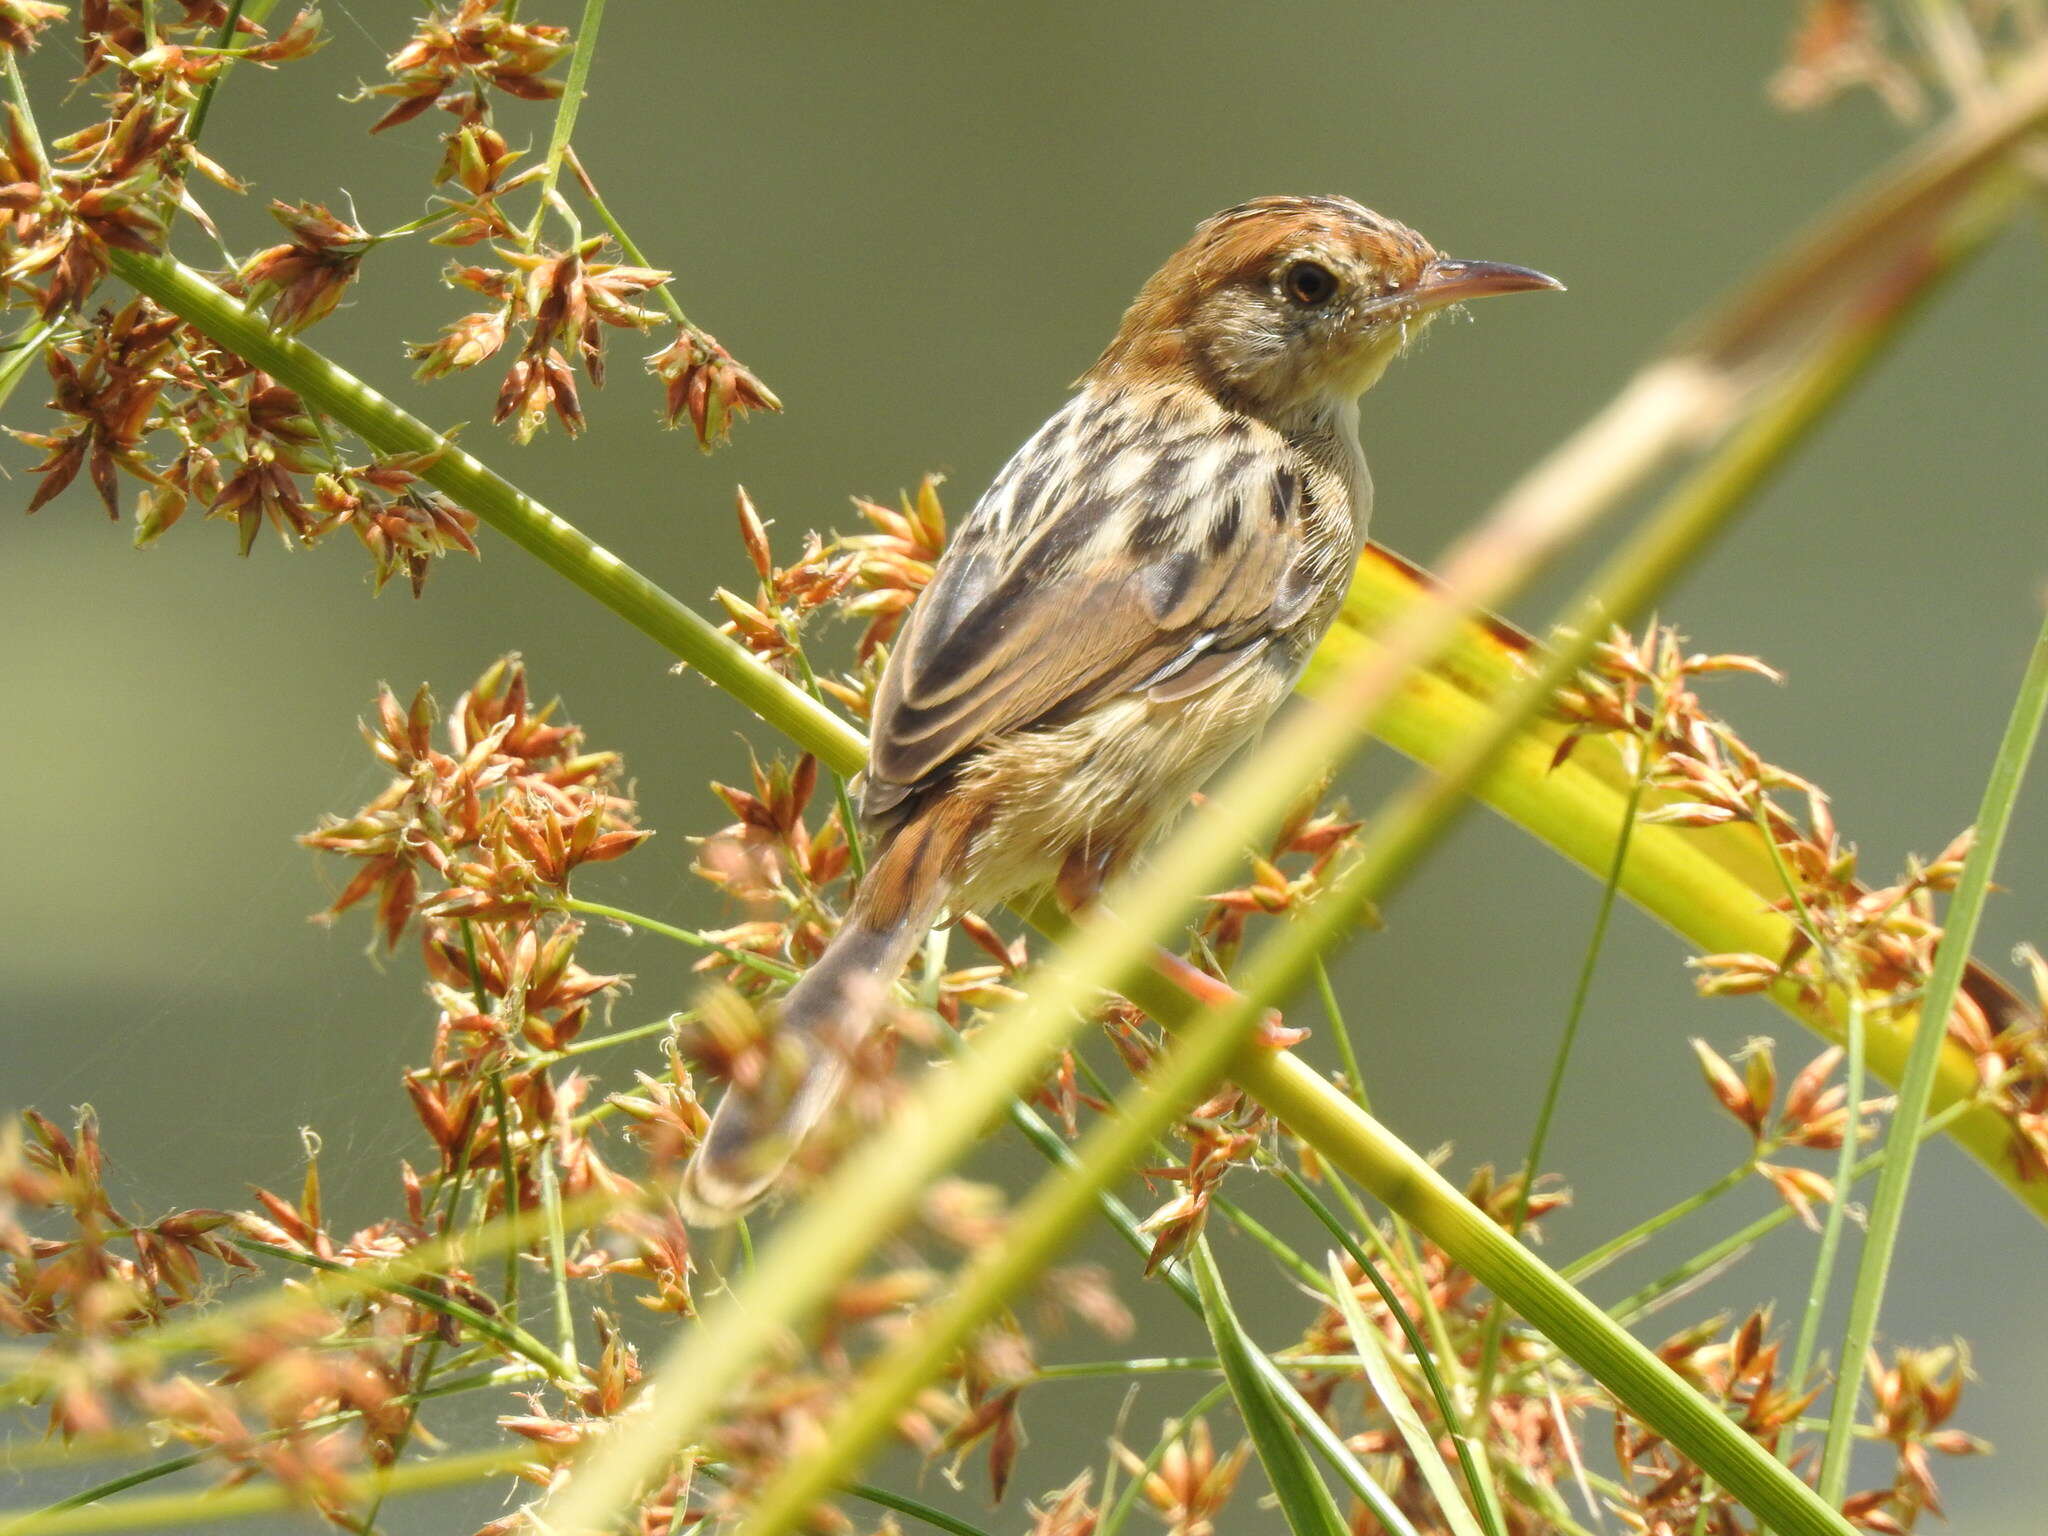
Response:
column 1131, row 599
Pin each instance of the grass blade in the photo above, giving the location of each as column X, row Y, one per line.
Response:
column 1304, row 1498
column 1379, row 1371
column 1902, row 1142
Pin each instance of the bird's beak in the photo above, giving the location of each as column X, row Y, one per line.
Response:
column 1445, row 281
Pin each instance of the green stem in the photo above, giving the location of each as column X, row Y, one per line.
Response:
column 588, row 1043
column 558, row 1256
column 203, row 1508
column 164, row 1468
column 430, row 1354
column 666, row 290
column 774, row 969
column 1347, row 1048
column 1305, row 1274
column 1850, row 984
column 1167, row 1365
column 584, row 55
column 1634, row 1306
column 1114, row 1521
column 1304, row 1498
column 17, row 91
column 1591, row 1263
column 1532, row 1160
column 1808, row 1339
column 1306, row 1420
column 1411, row 1187
column 508, row 1335
column 224, row 38
column 1887, row 1207
column 389, row 431
column 338, row 1283
column 842, row 795
column 917, row 1509
column 508, row 1174
column 1470, row 1445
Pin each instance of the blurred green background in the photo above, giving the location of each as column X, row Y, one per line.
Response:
column 917, row 222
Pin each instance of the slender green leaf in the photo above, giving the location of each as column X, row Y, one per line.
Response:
column 1304, row 1498
column 1379, row 1371
column 1902, row 1142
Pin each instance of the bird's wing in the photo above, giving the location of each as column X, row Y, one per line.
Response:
column 1110, row 557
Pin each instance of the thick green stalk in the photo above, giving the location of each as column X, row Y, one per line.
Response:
column 1902, row 1142
column 1365, row 1150
column 463, row 477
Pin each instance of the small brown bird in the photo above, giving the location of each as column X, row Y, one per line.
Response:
column 1129, row 602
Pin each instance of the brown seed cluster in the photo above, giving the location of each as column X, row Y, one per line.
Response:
column 1879, row 941
column 141, row 396
column 489, row 826
column 1839, row 46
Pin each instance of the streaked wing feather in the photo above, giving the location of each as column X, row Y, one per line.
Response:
column 1077, row 579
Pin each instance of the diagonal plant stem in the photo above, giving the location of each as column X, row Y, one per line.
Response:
column 519, row 517
column 1641, row 1302
column 1902, row 1142
column 1118, row 1515
column 256, row 12
column 1470, row 1448
column 1304, row 1498
column 582, row 58
column 1539, row 1136
column 1175, row 1277
column 509, row 1336
column 1377, row 1365
column 338, row 1283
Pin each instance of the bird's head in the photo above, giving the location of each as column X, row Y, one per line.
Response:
column 1285, row 305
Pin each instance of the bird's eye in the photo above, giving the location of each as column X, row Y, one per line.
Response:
column 1308, row 283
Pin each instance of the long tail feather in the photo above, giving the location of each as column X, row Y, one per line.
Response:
column 755, row 1131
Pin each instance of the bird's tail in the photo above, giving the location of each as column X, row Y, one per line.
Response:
column 757, row 1129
